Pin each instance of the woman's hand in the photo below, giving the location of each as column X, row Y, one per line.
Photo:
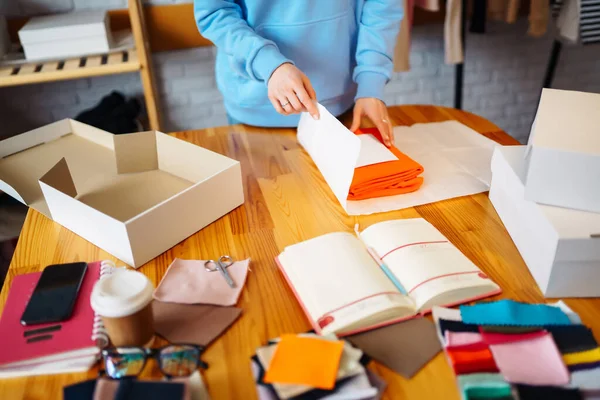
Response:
column 290, row 91
column 377, row 112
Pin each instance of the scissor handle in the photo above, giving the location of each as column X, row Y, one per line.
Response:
column 210, row 265
column 226, row 261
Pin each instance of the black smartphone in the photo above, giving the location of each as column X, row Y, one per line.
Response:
column 55, row 294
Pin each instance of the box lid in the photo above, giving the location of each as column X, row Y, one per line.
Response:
column 64, row 26
column 568, row 223
column 567, row 121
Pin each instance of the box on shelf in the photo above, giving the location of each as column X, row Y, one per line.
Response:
column 134, row 195
column 72, row 34
column 557, row 244
column 563, row 154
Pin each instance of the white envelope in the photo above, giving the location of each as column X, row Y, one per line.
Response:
column 456, row 160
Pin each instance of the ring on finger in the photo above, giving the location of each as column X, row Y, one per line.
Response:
column 287, row 103
column 384, row 120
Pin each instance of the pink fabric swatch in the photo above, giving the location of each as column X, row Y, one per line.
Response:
column 188, row 282
column 454, row 339
column 533, row 362
column 502, row 338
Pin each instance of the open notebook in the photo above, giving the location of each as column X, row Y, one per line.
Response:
column 343, row 289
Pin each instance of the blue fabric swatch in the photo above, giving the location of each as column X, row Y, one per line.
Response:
column 509, row 312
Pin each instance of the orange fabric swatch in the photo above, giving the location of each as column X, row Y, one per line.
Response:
column 305, row 361
column 387, row 178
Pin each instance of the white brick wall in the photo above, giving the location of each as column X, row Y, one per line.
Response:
column 503, row 77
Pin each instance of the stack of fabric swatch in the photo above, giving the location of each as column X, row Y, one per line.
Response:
column 510, row 350
column 308, row 366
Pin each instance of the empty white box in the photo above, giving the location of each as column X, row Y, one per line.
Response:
column 563, row 155
column 557, row 244
column 66, row 35
column 134, row 196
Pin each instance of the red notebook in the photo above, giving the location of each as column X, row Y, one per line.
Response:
column 392, row 271
column 71, row 348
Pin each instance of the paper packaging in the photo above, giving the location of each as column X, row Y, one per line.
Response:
column 133, row 195
column 563, row 154
column 554, row 242
column 456, row 160
column 66, row 35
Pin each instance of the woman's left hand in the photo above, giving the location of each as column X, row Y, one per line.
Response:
column 377, row 112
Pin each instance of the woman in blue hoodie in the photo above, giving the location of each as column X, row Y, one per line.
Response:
column 275, row 57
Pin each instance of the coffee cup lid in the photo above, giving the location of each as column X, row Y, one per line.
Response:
column 122, row 293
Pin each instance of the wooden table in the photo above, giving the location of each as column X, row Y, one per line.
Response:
column 287, row 201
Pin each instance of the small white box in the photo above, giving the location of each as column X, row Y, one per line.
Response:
column 556, row 243
column 563, row 155
column 134, row 195
column 66, row 35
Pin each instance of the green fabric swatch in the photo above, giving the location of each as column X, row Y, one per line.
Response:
column 484, row 386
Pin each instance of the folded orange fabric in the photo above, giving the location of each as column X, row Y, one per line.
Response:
column 387, row 178
column 305, row 361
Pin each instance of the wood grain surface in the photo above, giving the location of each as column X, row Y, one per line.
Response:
column 288, row 201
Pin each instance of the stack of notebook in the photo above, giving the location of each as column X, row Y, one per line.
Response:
column 68, row 346
column 509, row 350
column 308, row 366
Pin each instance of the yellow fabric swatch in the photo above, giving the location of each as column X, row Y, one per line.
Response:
column 582, row 357
column 305, row 361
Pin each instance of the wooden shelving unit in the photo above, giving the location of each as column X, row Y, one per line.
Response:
column 135, row 60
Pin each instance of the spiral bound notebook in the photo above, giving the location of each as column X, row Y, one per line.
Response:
column 69, row 346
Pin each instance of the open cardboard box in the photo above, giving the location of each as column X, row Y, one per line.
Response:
column 133, row 195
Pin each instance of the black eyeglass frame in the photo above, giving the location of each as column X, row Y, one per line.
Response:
column 150, row 353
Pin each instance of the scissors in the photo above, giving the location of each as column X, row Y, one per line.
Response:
column 221, row 265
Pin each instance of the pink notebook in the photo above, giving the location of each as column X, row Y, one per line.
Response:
column 75, row 340
column 344, row 287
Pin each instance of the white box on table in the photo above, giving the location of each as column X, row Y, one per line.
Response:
column 556, row 243
column 134, row 195
column 563, row 155
column 73, row 34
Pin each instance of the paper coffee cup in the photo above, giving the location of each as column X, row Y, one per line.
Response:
column 124, row 301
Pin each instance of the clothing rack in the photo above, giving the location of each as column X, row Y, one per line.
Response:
column 552, row 63
column 460, row 68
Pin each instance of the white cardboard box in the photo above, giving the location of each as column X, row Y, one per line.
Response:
column 134, row 195
column 563, row 154
column 66, row 35
column 555, row 243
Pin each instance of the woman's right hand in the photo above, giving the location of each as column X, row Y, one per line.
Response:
column 290, row 91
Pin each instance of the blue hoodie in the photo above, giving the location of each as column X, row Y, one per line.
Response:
column 344, row 47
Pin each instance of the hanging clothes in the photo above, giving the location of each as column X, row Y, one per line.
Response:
column 589, row 24
column 453, row 43
column 578, row 20
column 508, row 11
column 402, row 48
column 452, row 38
column 539, row 16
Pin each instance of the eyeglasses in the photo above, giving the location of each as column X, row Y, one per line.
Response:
column 174, row 360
